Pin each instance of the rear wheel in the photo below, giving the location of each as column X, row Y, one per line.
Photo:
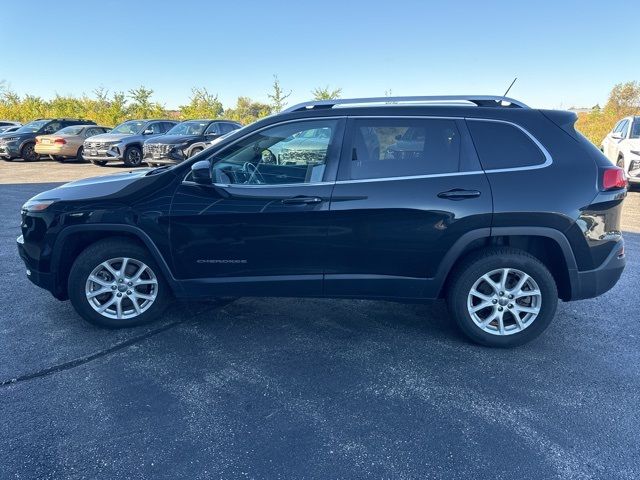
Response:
column 28, row 152
column 117, row 283
column 79, row 156
column 132, row 157
column 502, row 297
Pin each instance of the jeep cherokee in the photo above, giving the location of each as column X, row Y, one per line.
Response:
column 414, row 198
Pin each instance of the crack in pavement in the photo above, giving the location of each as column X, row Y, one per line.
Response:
column 76, row 362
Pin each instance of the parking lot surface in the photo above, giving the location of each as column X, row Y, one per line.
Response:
column 309, row 388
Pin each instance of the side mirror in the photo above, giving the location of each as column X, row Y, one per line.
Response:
column 201, row 172
column 148, row 131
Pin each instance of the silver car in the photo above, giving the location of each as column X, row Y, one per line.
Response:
column 124, row 143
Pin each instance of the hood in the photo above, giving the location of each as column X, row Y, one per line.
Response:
column 634, row 144
column 109, row 137
column 173, row 139
column 95, row 187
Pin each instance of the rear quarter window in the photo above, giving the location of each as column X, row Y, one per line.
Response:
column 501, row 145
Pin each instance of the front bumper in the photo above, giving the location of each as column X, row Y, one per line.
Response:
column 593, row 283
column 10, row 150
column 171, row 157
column 111, row 153
column 44, row 280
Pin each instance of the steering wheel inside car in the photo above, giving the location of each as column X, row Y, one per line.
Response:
column 252, row 175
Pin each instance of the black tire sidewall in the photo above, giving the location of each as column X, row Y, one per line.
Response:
column 474, row 269
column 35, row 155
column 91, row 258
column 127, row 152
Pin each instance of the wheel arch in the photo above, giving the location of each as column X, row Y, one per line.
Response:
column 548, row 245
column 73, row 240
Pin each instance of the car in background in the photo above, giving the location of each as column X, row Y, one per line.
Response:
column 22, row 142
column 186, row 139
column 622, row 147
column 307, row 147
column 124, row 143
column 68, row 142
column 9, row 128
column 8, row 123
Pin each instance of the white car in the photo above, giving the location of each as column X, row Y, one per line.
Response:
column 622, row 147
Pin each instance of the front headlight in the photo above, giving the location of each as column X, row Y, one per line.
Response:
column 37, row 205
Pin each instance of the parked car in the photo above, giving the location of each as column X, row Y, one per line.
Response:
column 67, row 143
column 9, row 128
column 479, row 215
column 21, row 143
column 9, row 123
column 622, row 147
column 185, row 140
column 124, row 143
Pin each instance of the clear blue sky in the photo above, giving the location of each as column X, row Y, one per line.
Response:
column 565, row 53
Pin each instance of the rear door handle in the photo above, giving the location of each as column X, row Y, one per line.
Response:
column 301, row 200
column 459, row 194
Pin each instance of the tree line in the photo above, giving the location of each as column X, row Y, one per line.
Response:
column 111, row 108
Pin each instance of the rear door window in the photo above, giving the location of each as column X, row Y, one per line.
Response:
column 400, row 147
column 502, row 145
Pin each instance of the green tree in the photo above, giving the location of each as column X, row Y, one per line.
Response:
column 202, row 104
column 141, row 104
column 248, row 111
column 326, row 93
column 278, row 96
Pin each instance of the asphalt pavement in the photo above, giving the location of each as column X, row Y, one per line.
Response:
column 311, row 388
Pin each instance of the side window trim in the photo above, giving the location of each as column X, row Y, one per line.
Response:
column 548, row 158
column 343, row 158
column 331, row 166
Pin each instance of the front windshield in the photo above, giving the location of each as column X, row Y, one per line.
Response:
column 131, row 127
column 188, row 128
column 73, row 130
column 32, row 127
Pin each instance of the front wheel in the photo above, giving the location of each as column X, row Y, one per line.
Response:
column 133, row 157
column 116, row 283
column 28, row 152
column 502, row 297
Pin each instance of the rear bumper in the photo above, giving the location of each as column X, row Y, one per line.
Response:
column 592, row 283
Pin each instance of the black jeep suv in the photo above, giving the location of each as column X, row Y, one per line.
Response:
column 185, row 140
column 22, row 142
column 497, row 207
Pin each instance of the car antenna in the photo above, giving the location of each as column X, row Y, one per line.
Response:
column 511, row 85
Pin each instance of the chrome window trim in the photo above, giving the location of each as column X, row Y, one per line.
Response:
column 548, row 158
column 239, row 185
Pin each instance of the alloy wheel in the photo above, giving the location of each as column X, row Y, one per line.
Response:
column 504, row 301
column 121, row 288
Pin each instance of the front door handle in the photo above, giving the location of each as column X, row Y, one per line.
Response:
column 459, row 194
column 301, row 200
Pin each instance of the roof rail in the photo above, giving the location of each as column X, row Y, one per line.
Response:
column 478, row 100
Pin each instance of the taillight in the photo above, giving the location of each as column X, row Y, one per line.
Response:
column 37, row 139
column 613, row 178
column 59, row 141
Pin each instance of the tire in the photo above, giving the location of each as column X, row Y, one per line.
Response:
column 469, row 274
column 100, row 163
column 79, row 156
column 133, row 157
column 90, row 264
column 28, row 153
column 620, row 163
column 195, row 151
